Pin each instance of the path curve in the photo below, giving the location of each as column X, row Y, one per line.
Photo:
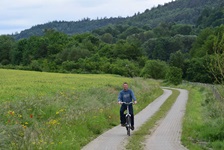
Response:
column 167, row 135
column 114, row 138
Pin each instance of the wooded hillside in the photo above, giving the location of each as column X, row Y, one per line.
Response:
column 179, row 11
column 189, row 47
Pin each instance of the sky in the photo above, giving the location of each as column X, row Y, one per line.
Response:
column 18, row 15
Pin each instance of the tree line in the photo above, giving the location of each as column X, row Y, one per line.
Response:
column 170, row 50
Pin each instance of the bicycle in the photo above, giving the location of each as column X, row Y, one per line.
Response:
column 128, row 118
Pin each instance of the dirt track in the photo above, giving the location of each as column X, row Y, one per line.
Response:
column 115, row 138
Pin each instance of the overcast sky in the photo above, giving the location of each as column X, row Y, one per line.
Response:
column 18, row 15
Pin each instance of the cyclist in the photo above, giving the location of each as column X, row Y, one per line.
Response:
column 126, row 95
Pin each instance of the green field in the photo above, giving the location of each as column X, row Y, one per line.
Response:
column 62, row 111
column 17, row 85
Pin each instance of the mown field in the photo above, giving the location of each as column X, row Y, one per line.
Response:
column 62, row 111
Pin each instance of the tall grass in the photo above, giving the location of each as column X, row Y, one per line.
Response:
column 221, row 90
column 67, row 115
column 17, row 85
column 204, row 120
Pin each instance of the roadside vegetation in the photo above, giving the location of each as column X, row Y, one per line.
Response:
column 220, row 89
column 62, row 111
column 137, row 139
column 204, row 119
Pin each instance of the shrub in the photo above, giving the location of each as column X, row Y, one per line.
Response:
column 154, row 69
column 174, row 75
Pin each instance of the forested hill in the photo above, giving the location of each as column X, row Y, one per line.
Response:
column 69, row 27
column 179, row 11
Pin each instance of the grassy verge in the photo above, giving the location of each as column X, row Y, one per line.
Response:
column 221, row 90
column 138, row 137
column 67, row 113
column 204, row 120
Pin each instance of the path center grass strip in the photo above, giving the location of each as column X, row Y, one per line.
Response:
column 138, row 137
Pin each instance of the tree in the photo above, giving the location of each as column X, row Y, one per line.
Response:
column 163, row 29
column 217, row 59
column 130, row 31
column 197, row 70
column 73, row 54
column 177, row 59
column 17, row 53
column 107, row 38
column 161, row 48
column 208, row 49
column 68, row 65
column 124, row 49
column 155, row 69
column 174, row 75
column 202, row 45
column 124, row 67
column 54, row 41
column 6, row 47
column 182, row 29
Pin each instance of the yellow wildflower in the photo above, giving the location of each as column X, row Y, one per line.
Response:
column 62, row 110
column 24, row 126
column 53, row 122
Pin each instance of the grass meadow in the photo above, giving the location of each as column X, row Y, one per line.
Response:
column 62, row 111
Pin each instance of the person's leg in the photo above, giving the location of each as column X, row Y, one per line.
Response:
column 132, row 114
column 122, row 116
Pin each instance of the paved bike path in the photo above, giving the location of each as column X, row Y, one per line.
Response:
column 167, row 135
column 114, row 138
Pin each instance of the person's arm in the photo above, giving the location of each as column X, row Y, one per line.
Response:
column 133, row 97
column 119, row 98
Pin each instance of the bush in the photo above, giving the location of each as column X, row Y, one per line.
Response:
column 35, row 65
column 68, row 65
column 174, row 75
column 125, row 67
column 197, row 70
column 155, row 69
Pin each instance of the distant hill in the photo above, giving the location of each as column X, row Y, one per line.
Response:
column 179, row 11
column 69, row 27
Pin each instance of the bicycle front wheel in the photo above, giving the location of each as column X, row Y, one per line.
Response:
column 128, row 125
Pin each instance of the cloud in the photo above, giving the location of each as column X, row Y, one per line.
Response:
column 23, row 14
